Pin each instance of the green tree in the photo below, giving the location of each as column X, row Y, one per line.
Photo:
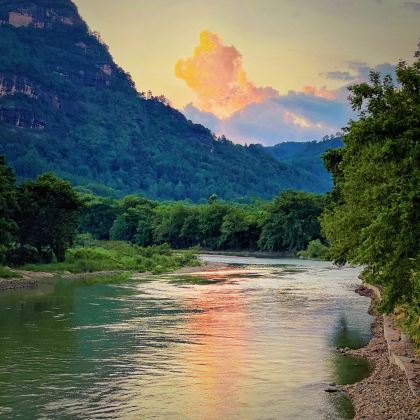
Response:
column 98, row 216
column 292, row 222
column 48, row 214
column 210, row 222
column 190, row 228
column 146, row 225
column 171, row 221
column 234, row 230
column 125, row 225
column 8, row 206
column 372, row 216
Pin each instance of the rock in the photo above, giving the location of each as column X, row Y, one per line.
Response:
column 331, row 389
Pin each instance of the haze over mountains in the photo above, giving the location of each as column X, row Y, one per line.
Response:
column 66, row 107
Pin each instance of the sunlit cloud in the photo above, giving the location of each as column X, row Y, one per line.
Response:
column 215, row 73
column 292, row 117
column 322, row 92
column 229, row 104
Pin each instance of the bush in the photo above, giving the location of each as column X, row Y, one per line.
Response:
column 116, row 255
column 5, row 273
column 316, row 250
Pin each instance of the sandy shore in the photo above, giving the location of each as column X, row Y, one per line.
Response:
column 385, row 394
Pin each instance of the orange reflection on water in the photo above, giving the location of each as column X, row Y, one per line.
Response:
column 216, row 363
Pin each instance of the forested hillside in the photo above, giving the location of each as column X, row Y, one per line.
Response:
column 66, row 107
column 307, row 158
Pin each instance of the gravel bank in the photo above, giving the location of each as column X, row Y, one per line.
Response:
column 385, row 394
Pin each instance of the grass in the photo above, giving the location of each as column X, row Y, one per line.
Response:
column 117, row 255
column 6, row 273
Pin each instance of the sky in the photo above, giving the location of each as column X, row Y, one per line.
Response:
column 257, row 70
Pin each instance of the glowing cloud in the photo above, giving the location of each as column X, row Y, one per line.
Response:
column 321, row 92
column 215, row 73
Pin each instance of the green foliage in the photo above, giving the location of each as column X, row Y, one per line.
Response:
column 372, row 216
column 6, row 273
column 292, row 222
column 98, row 216
column 288, row 223
column 8, row 206
column 118, row 255
column 316, row 250
column 37, row 219
column 306, row 157
column 48, row 214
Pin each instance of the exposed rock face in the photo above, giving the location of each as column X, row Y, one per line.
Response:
column 13, row 84
column 57, row 17
column 29, row 15
column 20, row 118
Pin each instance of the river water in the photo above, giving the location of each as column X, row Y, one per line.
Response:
column 256, row 341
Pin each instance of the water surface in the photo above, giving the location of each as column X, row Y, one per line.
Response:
column 258, row 343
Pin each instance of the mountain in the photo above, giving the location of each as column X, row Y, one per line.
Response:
column 66, row 107
column 306, row 157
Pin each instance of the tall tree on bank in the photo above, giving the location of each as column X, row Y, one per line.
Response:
column 372, row 213
column 7, row 207
column 48, row 216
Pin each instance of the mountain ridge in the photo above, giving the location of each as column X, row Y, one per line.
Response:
column 67, row 107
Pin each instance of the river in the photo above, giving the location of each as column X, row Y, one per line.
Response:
column 256, row 341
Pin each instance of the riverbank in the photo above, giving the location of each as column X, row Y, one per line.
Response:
column 32, row 279
column 256, row 254
column 386, row 393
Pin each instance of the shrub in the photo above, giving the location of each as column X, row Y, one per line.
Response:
column 316, row 250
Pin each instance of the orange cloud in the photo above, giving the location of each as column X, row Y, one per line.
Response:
column 322, row 92
column 215, row 73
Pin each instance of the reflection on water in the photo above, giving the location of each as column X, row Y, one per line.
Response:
column 257, row 341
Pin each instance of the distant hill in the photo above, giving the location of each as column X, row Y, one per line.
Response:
column 66, row 107
column 306, row 157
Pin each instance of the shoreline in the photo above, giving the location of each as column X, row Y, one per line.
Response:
column 256, row 254
column 385, row 393
column 32, row 279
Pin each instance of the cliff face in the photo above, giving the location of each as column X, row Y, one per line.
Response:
column 29, row 15
column 65, row 106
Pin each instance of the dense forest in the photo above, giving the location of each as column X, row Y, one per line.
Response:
column 71, row 110
column 40, row 220
column 307, row 158
column 372, row 214
column 288, row 223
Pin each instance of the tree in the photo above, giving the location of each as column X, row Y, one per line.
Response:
column 372, row 216
column 8, row 206
column 48, row 214
column 125, row 226
column 234, row 230
column 292, row 222
column 169, row 226
column 145, row 225
column 210, row 222
column 98, row 216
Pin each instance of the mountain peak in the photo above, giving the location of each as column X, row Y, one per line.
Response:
column 41, row 14
column 66, row 107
